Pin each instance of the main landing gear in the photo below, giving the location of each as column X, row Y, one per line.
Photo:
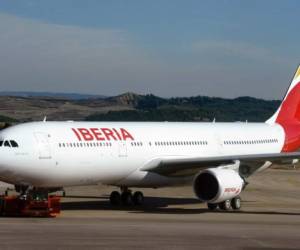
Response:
column 226, row 205
column 126, row 198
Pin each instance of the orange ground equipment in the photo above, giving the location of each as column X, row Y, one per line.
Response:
column 18, row 206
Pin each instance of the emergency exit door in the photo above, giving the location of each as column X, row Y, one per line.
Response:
column 122, row 149
column 43, row 145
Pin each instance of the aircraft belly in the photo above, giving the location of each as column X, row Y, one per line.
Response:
column 85, row 172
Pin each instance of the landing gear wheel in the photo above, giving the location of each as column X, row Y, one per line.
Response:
column 126, row 198
column 138, row 198
column 225, row 205
column 212, row 206
column 1, row 206
column 236, row 203
column 115, row 198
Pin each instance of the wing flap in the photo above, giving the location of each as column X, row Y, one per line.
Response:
column 183, row 166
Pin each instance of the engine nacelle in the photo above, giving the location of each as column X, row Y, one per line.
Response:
column 216, row 185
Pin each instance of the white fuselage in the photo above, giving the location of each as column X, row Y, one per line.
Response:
column 57, row 154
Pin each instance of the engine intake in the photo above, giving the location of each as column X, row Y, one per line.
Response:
column 216, row 185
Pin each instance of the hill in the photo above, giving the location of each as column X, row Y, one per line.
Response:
column 72, row 96
column 134, row 107
column 199, row 108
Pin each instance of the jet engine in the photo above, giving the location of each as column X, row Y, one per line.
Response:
column 217, row 185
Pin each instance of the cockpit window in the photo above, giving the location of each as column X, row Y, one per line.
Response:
column 14, row 144
column 10, row 143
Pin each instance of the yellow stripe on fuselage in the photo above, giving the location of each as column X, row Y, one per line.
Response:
column 297, row 73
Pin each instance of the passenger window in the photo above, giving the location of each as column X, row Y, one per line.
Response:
column 6, row 144
column 14, row 144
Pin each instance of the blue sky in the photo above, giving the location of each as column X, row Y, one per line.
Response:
column 169, row 48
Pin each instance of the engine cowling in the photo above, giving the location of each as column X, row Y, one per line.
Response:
column 216, row 185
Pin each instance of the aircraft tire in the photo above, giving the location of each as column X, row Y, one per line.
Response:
column 225, row 205
column 236, row 203
column 2, row 204
column 115, row 198
column 212, row 206
column 126, row 198
column 138, row 198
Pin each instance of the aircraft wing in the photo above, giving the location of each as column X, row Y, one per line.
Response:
column 189, row 166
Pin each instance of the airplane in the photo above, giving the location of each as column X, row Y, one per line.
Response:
column 215, row 158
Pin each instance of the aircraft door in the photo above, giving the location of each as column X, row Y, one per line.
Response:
column 219, row 143
column 122, row 149
column 43, row 143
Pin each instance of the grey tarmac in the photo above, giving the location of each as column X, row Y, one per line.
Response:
column 170, row 219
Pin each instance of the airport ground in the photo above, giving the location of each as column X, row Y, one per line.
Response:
column 170, row 219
